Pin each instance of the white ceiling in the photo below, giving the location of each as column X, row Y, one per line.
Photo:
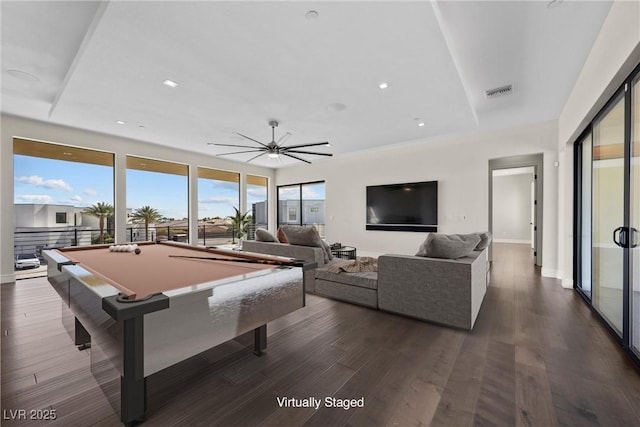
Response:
column 240, row 64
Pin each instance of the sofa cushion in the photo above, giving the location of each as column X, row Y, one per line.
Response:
column 363, row 280
column 281, row 236
column 263, row 235
column 450, row 246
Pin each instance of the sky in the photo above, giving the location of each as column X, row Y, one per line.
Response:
column 309, row 192
column 49, row 181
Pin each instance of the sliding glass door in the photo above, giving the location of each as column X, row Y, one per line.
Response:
column 584, row 223
column 634, row 218
column 608, row 214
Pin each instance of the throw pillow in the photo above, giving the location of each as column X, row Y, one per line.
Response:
column 304, row 236
column 485, row 240
column 327, row 250
column 281, row 236
column 450, row 246
column 263, row 235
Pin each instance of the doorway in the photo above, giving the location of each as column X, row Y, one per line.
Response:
column 518, row 179
column 514, row 207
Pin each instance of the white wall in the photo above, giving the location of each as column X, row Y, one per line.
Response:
column 32, row 215
column 512, row 208
column 18, row 127
column 613, row 56
column 459, row 164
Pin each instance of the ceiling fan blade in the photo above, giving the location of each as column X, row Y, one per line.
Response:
column 255, row 157
column 295, row 157
column 240, row 152
column 313, row 144
column 284, row 150
column 250, row 139
column 283, row 138
column 231, row 145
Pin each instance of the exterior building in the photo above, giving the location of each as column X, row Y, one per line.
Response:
column 40, row 227
column 312, row 212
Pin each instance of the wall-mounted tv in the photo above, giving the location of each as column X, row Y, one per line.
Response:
column 403, row 207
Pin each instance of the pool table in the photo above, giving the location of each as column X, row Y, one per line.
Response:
column 145, row 312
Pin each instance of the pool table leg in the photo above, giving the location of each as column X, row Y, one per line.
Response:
column 82, row 339
column 133, row 384
column 260, row 340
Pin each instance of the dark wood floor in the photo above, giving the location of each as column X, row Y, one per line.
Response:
column 537, row 356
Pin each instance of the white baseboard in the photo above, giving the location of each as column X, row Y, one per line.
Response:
column 512, row 241
column 7, row 278
column 550, row 272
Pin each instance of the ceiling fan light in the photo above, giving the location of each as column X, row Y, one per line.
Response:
column 273, row 155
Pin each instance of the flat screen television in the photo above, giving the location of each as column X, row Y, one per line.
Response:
column 403, row 207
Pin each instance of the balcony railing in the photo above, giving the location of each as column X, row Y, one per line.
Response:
column 208, row 235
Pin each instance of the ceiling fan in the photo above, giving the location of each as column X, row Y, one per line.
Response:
column 274, row 149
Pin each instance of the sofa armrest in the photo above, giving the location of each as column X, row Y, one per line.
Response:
column 439, row 290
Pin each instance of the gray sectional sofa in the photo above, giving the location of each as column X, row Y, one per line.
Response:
column 445, row 291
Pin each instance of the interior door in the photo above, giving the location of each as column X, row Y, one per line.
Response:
column 608, row 234
column 533, row 215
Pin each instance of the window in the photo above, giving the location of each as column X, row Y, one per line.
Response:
column 157, row 200
column 302, row 204
column 56, row 188
column 293, row 214
column 257, row 202
column 218, row 200
column 61, row 217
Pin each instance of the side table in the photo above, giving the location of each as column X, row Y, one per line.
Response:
column 344, row 252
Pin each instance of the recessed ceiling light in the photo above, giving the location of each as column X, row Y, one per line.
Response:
column 420, row 124
column 66, row 153
column 120, row 122
column 170, row 83
column 311, row 15
column 383, row 85
column 141, row 127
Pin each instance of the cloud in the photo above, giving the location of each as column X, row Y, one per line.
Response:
column 76, row 198
column 90, row 192
column 35, row 198
column 256, row 192
column 220, row 200
column 38, row 181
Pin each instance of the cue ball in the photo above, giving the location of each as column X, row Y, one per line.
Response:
column 137, row 251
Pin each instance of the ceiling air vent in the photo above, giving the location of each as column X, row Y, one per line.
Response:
column 499, row 91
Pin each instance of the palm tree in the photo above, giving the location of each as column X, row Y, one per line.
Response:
column 102, row 211
column 145, row 214
column 240, row 222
